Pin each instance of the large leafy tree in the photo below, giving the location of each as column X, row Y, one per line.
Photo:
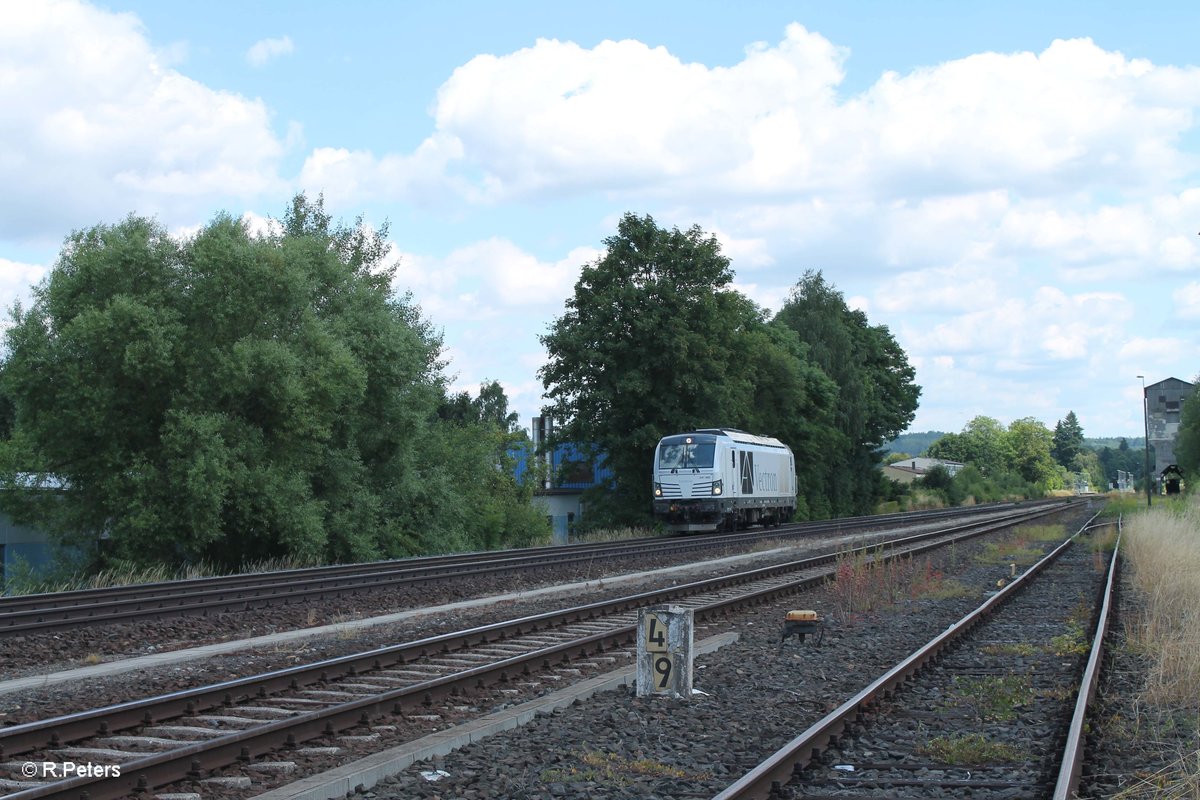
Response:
column 876, row 393
column 983, row 442
column 1030, row 441
column 654, row 341
column 234, row 396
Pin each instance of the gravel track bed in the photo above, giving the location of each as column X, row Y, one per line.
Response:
column 758, row 695
column 1134, row 743
column 26, row 706
column 1009, row 686
column 35, row 654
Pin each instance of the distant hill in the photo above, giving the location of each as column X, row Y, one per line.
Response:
column 1113, row 442
column 914, row 443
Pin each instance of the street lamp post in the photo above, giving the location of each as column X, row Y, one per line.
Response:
column 1146, row 450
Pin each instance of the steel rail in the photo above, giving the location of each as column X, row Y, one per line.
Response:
column 83, row 597
column 22, row 738
column 777, row 769
column 60, row 731
column 207, row 596
column 1073, row 751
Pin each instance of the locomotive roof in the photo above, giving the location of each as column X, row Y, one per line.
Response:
column 742, row 436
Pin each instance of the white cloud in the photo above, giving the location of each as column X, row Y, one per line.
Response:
column 16, row 281
column 346, row 176
column 485, row 278
column 945, row 201
column 262, row 226
column 265, row 50
column 1144, row 352
column 769, row 297
column 748, row 253
column 981, row 160
column 1187, row 301
column 97, row 125
column 624, row 115
column 1026, row 333
column 959, row 288
column 497, row 298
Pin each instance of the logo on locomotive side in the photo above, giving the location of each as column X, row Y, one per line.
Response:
column 747, row 472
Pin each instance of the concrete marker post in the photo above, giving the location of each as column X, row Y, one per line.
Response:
column 665, row 651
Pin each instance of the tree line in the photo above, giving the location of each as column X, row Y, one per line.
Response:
column 1025, row 458
column 655, row 340
column 235, row 397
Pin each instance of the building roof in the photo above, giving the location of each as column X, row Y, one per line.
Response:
column 1173, row 383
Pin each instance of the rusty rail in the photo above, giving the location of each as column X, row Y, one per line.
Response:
column 777, row 769
column 164, row 768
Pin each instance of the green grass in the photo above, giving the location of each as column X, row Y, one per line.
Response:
column 614, row 535
column 1072, row 643
column 611, row 769
column 1021, row 546
column 26, row 581
column 994, row 698
column 1012, row 649
column 946, row 589
column 1042, row 533
column 968, row 750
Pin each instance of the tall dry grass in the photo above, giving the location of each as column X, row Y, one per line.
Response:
column 1162, row 546
column 126, row 574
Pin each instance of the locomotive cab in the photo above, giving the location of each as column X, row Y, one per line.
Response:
column 688, row 485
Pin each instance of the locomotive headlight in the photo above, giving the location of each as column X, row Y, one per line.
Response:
column 717, row 486
column 657, row 489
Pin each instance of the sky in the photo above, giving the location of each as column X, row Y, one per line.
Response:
column 1012, row 189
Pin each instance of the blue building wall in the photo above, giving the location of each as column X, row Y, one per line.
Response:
column 20, row 544
column 570, row 473
column 569, row 467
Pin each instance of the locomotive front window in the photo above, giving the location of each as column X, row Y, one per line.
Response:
column 687, row 452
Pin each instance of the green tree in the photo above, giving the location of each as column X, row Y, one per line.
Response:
column 653, row 341
column 971, row 484
column 1187, row 445
column 1030, row 441
column 876, row 395
column 1087, row 463
column 490, row 406
column 234, row 396
column 983, row 442
column 1122, row 458
column 1068, row 440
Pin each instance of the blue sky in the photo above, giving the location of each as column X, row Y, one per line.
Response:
column 1011, row 189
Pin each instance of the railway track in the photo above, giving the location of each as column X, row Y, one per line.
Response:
column 162, row 740
column 992, row 707
column 61, row 611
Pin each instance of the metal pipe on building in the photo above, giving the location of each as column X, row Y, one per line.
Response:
column 1146, row 448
